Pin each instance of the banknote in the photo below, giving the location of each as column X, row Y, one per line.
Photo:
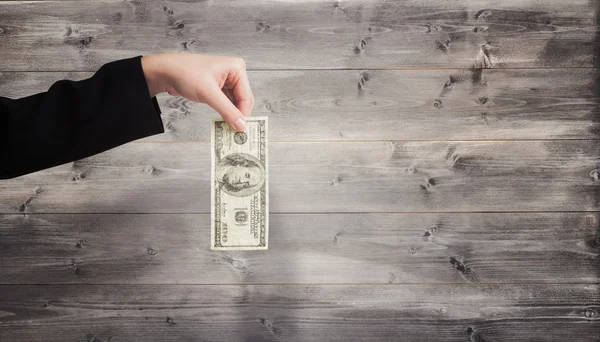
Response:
column 239, row 186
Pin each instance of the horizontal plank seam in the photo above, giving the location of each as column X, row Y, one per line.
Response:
column 302, row 284
column 344, row 69
column 373, row 140
column 321, row 212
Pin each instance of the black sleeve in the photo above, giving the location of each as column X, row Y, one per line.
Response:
column 75, row 120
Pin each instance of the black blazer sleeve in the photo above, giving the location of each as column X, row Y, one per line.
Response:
column 75, row 120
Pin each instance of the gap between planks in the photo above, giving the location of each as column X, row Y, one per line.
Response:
column 369, row 140
column 299, row 284
column 325, row 212
column 344, row 69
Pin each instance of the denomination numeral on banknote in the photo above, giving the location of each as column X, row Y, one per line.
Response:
column 240, row 186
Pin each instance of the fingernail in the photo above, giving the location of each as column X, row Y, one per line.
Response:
column 240, row 124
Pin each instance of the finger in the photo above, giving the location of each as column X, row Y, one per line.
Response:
column 219, row 102
column 243, row 94
column 229, row 93
column 172, row 91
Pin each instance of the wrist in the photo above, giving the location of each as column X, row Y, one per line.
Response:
column 154, row 72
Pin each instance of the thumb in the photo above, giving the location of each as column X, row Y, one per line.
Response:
column 228, row 111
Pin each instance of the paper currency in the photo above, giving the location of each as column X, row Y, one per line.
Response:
column 240, row 186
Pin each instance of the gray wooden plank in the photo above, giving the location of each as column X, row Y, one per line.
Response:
column 304, row 249
column 300, row 313
column 389, row 105
column 83, row 35
column 326, row 177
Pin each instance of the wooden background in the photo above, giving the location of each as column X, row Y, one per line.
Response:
column 435, row 176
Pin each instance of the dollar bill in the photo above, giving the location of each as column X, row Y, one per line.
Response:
column 239, row 186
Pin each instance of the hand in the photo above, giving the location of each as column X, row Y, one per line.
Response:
column 219, row 81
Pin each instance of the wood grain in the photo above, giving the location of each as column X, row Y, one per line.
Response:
column 305, row 249
column 300, row 313
column 313, row 105
column 83, row 35
column 326, row 177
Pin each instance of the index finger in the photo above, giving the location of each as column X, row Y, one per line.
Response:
column 221, row 103
column 243, row 94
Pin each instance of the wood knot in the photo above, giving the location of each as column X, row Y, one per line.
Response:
column 152, row 251
column 262, row 27
column 23, row 207
column 269, row 107
column 117, row 17
column 413, row 251
column 170, row 321
column 443, row 45
column 238, row 264
column 74, row 267
column 459, row 266
column 483, row 14
column 176, row 25
column 449, row 83
column 186, row 45
column 482, row 100
column 85, row 41
column 591, row 313
column 363, row 78
column 148, row 169
column 595, row 174
column 96, row 338
column 337, row 181
column 431, row 231
column 269, row 325
column 47, row 304
column 432, row 28
column 337, row 237
column 168, row 10
column 360, row 46
column 78, row 176
column 81, row 243
column 438, row 104
column 428, row 184
column 151, row 170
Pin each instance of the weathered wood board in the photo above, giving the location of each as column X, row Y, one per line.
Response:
column 83, row 35
column 300, row 313
column 456, row 202
column 324, row 105
column 305, row 249
column 326, row 177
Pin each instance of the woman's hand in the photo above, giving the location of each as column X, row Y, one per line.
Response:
column 219, row 81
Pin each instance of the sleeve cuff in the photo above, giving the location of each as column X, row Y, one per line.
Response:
column 139, row 113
